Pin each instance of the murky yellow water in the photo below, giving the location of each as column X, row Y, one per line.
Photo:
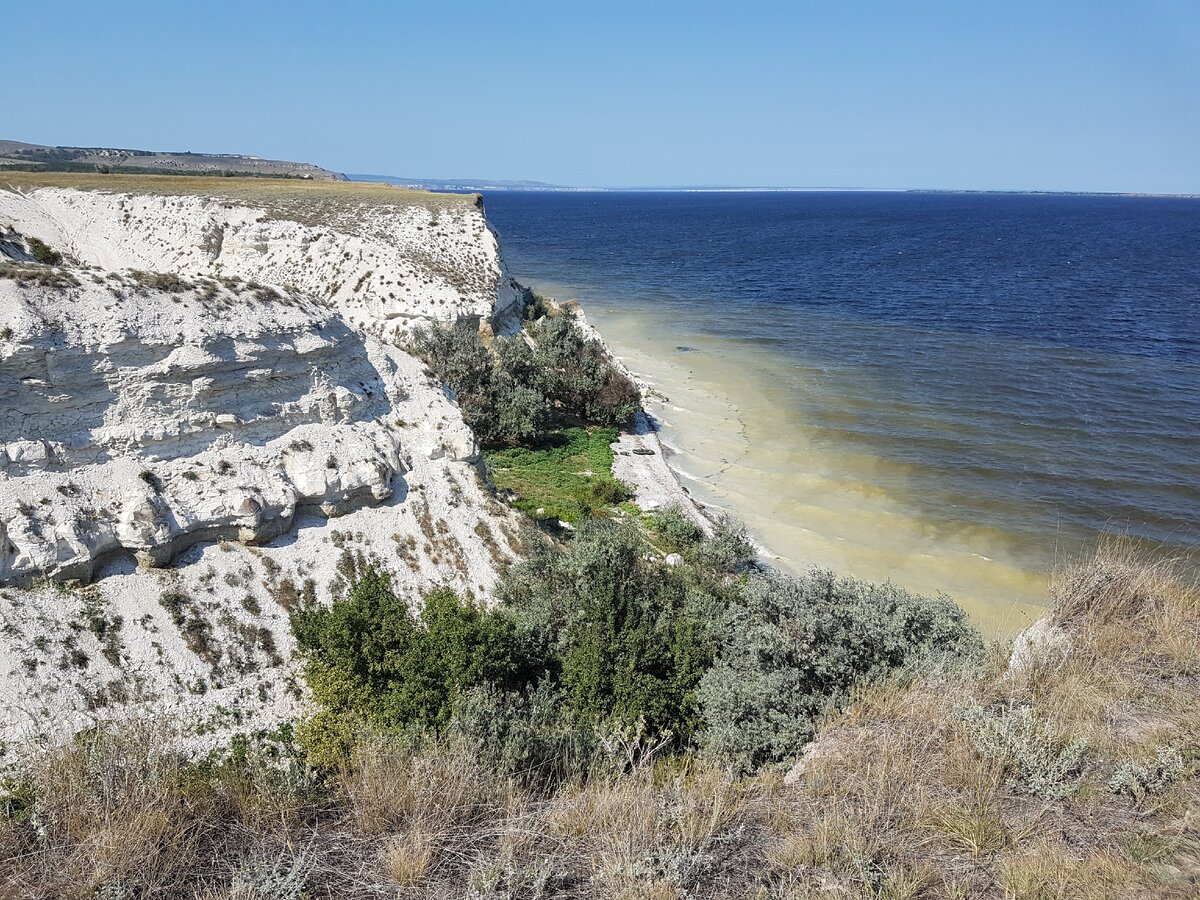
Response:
column 740, row 445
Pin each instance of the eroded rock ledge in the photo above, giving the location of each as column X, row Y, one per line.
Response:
column 131, row 424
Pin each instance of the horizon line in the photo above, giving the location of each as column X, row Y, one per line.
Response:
column 533, row 186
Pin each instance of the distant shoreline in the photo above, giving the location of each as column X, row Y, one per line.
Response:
column 466, row 185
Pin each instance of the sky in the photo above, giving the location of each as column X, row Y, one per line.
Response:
column 1047, row 95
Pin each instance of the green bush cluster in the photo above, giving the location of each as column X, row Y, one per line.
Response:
column 627, row 636
column 513, row 392
column 576, row 375
column 371, row 659
column 602, row 637
column 676, row 529
column 499, row 408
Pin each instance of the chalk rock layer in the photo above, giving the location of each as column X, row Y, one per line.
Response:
column 386, row 259
column 136, row 419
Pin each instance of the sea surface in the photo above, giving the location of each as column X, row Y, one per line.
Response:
column 956, row 392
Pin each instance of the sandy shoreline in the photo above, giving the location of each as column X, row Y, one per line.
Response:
column 725, row 440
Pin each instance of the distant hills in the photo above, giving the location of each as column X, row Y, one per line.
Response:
column 480, row 184
column 44, row 158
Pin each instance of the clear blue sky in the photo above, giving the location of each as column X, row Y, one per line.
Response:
column 1054, row 94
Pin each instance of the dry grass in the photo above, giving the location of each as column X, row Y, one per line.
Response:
column 902, row 784
column 439, row 790
column 897, row 800
column 408, row 857
column 111, row 808
column 269, row 192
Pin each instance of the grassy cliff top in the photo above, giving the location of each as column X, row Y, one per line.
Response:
column 286, row 198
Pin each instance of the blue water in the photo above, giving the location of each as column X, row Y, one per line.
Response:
column 1031, row 361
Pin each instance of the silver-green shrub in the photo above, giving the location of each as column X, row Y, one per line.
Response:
column 1036, row 757
column 279, row 877
column 795, row 646
column 676, row 528
column 1141, row 779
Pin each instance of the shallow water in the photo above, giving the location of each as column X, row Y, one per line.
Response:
column 950, row 391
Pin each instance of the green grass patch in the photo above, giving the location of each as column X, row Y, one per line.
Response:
column 568, row 475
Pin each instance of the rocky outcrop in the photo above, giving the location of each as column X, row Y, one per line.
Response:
column 383, row 261
column 142, row 420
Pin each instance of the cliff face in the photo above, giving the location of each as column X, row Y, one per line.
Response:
column 204, row 413
column 382, row 257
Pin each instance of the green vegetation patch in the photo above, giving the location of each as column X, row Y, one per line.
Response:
column 568, row 475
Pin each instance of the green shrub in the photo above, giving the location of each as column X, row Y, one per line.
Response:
column 513, row 393
column 42, row 252
column 677, row 530
column 498, row 408
column 628, row 636
column 727, row 549
column 370, row 658
column 797, row 645
column 576, row 374
column 610, row 491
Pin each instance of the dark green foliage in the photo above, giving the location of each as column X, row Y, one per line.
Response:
column 796, row 646
column 497, row 406
column 575, row 372
column 676, row 529
column 368, row 656
column 513, row 393
column 42, row 252
column 153, row 481
column 628, row 637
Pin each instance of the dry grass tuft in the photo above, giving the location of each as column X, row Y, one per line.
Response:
column 439, row 790
column 110, row 808
column 408, row 857
column 1116, row 581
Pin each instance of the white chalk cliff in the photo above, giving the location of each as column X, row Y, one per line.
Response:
column 205, row 417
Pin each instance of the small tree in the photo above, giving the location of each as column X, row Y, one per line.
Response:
column 577, row 375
